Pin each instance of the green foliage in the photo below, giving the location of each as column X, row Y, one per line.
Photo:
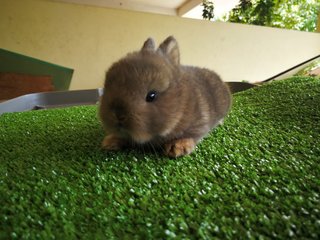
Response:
column 296, row 15
column 208, row 10
column 290, row 14
column 306, row 70
column 254, row 177
column 240, row 13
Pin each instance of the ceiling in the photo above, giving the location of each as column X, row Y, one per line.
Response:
column 170, row 7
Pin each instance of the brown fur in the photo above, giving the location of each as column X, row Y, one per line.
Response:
column 190, row 101
column 179, row 147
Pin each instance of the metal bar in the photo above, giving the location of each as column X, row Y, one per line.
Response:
column 51, row 100
column 290, row 69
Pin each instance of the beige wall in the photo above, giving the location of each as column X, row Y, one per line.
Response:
column 89, row 39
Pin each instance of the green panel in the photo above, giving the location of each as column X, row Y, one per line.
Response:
column 17, row 63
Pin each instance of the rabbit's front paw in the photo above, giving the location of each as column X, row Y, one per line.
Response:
column 179, row 147
column 112, row 142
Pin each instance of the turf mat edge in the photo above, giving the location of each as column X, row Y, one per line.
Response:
column 256, row 176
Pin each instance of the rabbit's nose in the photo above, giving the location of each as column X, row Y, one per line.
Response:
column 120, row 114
column 121, row 118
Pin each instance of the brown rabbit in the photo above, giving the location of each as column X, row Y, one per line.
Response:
column 149, row 98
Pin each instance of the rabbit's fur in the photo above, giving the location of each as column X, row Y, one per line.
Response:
column 151, row 99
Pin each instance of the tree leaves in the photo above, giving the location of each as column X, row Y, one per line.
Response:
column 290, row 14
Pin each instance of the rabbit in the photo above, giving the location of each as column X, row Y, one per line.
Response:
column 151, row 99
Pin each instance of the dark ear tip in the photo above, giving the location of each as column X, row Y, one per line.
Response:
column 149, row 44
column 150, row 40
column 170, row 39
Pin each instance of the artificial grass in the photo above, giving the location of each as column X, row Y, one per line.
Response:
column 256, row 176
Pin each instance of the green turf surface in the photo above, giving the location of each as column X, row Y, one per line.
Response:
column 257, row 176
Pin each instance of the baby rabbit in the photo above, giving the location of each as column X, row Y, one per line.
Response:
column 150, row 99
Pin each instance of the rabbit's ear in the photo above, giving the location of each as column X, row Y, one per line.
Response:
column 170, row 48
column 149, row 45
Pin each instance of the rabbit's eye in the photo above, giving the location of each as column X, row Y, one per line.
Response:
column 151, row 96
